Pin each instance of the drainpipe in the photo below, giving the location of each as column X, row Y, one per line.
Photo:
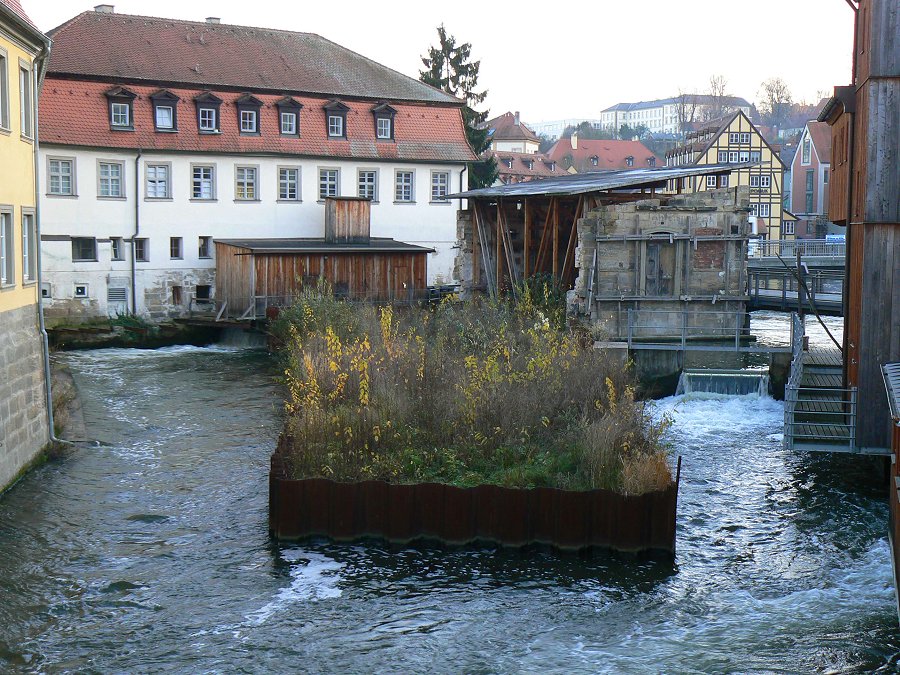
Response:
column 40, row 64
column 461, row 188
column 137, row 228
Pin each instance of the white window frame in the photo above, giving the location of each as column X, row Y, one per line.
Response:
column 336, row 126
column 755, row 155
column 153, row 181
column 754, row 209
column 120, row 111
column 29, row 244
column 59, row 174
column 765, row 210
column 7, row 247
column 288, row 123
column 723, row 181
column 744, row 156
column 108, row 185
column 208, row 120
column 745, row 137
column 246, row 183
column 116, row 249
column 440, row 191
column 711, row 182
column 329, row 182
column 722, row 157
column 733, row 137
column 26, row 100
column 4, row 89
column 787, row 227
column 171, row 121
column 754, row 181
column 363, row 188
column 200, row 182
column 732, row 157
column 765, row 181
column 384, row 128
column 404, row 186
column 249, row 121
column 285, row 182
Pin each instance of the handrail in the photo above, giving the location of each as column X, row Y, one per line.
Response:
column 788, row 248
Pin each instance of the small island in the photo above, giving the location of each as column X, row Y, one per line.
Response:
column 462, row 422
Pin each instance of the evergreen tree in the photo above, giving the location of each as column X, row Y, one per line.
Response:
column 448, row 68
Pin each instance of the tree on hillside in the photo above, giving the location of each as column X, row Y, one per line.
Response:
column 774, row 102
column 632, row 133
column 685, row 110
column 588, row 131
column 448, row 67
column 546, row 143
column 717, row 105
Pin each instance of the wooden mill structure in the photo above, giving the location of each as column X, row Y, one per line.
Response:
column 865, row 122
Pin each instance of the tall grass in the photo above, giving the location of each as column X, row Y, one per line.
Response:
column 464, row 394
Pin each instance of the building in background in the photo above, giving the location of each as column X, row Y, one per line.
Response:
column 516, row 147
column 810, row 174
column 209, row 131
column 585, row 155
column 672, row 115
column 509, row 134
column 735, row 140
column 24, row 428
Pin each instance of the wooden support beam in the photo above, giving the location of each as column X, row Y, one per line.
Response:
column 545, row 238
column 508, row 248
column 476, row 243
column 526, row 254
column 555, row 226
column 569, row 260
column 499, row 274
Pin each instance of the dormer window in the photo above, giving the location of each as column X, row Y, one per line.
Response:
column 530, row 164
column 384, row 121
column 289, row 116
column 336, row 119
column 509, row 162
column 121, row 108
column 629, row 161
column 165, row 110
column 248, row 114
column 208, row 112
column 651, row 161
column 553, row 166
column 595, row 160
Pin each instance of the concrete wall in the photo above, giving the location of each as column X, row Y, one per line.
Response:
column 23, row 411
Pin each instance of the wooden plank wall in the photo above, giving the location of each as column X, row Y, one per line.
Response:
column 233, row 276
column 881, row 99
column 839, row 183
column 347, row 221
column 375, row 276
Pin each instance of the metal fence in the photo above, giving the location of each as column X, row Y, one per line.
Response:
column 693, row 330
column 788, row 248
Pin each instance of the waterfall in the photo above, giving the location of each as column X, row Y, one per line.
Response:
column 241, row 339
column 724, row 382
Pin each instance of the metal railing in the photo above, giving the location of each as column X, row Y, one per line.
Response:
column 788, row 248
column 693, row 330
column 780, row 287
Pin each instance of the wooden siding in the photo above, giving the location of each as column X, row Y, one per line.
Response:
column 233, row 275
column 347, row 220
column 839, row 183
column 877, row 57
column 881, row 99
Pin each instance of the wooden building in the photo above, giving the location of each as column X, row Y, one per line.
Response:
column 865, row 174
column 254, row 274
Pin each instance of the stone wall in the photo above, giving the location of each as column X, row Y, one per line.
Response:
column 23, row 410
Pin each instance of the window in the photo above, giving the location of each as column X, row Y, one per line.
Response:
column 764, row 210
column 335, row 125
column 825, row 177
column 289, row 184
column 61, row 176
column 744, row 156
column 203, row 292
column 733, row 137
column 116, row 252
column 595, row 160
column 29, row 259
column 109, row 179
column 754, row 209
column 4, row 91
column 245, row 183
column 165, row 117
column 787, row 227
column 336, row 118
column 733, row 157
column 403, row 191
column 651, row 161
column 175, row 248
column 208, row 119
column 81, row 291
column 289, row 123
column 26, row 101
column 165, row 106
column 328, row 183
column 248, row 122
column 84, row 249
column 208, row 105
column 367, row 185
column 810, row 178
column 141, row 252
column 629, row 161
column 755, row 156
column 440, row 184
column 203, row 182
column 157, row 182
column 723, row 181
column 121, row 115
column 722, row 157
column 204, row 248
column 710, row 182
column 765, row 181
column 805, row 158
column 7, row 268
column 384, row 127
column 754, row 181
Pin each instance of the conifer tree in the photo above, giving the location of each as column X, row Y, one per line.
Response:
column 447, row 67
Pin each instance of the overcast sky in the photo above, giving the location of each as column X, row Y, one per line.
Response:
column 567, row 60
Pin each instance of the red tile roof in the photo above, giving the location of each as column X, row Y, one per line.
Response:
column 131, row 49
column 520, row 172
column 15, row 7
column 508, row 127
column 609, row 154
column 820, row 133
column 76, row 113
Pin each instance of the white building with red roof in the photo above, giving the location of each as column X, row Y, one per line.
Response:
column 585, row 155
column 160, row 136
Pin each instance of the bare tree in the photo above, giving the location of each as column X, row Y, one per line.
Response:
column 717, row 102
column 775, row 101
column 685, row 110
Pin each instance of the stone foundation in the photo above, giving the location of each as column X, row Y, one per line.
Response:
column 23, row 410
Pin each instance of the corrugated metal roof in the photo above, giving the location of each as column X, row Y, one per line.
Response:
column 891, row 372
column 599, row 181
column 319, row 245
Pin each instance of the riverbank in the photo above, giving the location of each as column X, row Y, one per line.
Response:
column 126, row 332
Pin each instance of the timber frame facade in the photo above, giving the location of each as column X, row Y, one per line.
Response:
column 731, row 140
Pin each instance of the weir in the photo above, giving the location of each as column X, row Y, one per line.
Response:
column 724, row 382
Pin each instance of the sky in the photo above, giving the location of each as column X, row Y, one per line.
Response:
column 562, row 61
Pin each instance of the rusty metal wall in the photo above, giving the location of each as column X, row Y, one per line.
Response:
column 569, row 520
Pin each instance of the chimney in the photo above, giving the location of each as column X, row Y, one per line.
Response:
column 574, row 140
column 213, row 19
column 105, row 9
column 517, row 118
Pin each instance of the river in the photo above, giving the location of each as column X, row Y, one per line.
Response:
column 148, row 552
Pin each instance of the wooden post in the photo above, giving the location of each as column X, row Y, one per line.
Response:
column 570, row 246
column 476, row 266
column 555, row 226
column 497, row 235
column 545, row 237
column 526, row 256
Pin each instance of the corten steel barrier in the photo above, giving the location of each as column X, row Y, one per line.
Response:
column 568, row 520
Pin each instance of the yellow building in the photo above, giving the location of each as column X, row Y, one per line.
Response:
column 734, row 139
column 24, row 427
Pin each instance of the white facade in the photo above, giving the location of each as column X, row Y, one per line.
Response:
column 83, row 279
column 660, row 117
column 528, row 147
